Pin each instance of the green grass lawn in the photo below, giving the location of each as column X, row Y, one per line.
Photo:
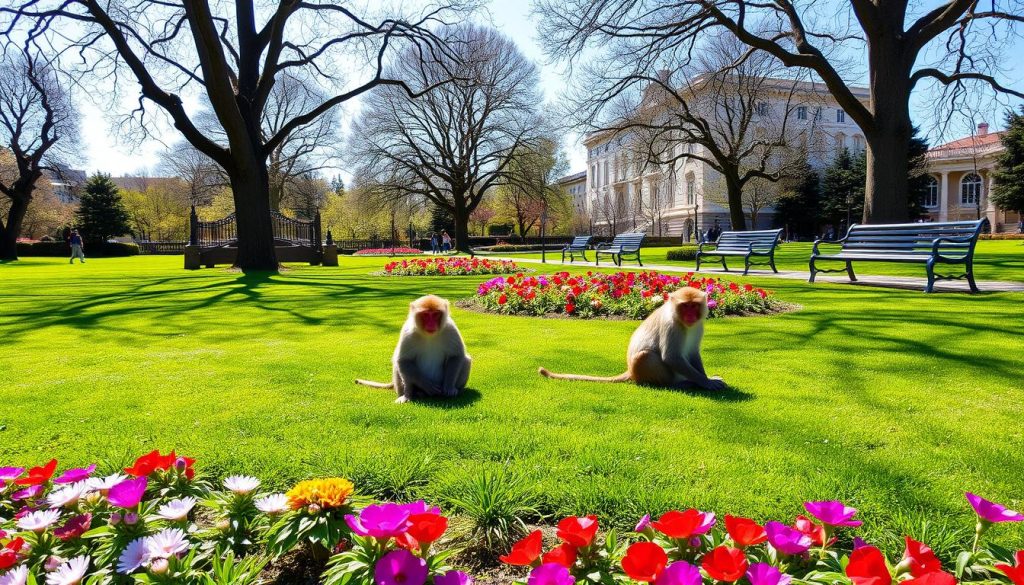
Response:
column 893, row 401
column 993, row 260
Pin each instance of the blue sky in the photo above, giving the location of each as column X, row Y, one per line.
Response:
column 106, row 153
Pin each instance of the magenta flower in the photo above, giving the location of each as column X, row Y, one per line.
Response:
column 765, row 574
column 75, row 475
column 859, row 542
column 400, row 567
column 833, row 513
column 786, row 539
column 643, row 524
column 453, row 578
column 991, row 511
column 9, row 473
column 680, row 573
column 28, row 493
column 128, row 493
column 420, row 507
column 74, row 527
column 380, row 521
column 712, row 303
column 551, row 574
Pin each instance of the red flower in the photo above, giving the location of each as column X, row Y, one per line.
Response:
column 817, row 533
column 569, row 307
column 933, row 578
column 38, row 475
column 502, row 299
column 149, row 463
column 644, row 561
column 578, row 531
column 744, row 531
column 867, row 567
column 725, row 564
column 563, row 554
column 920, row 558
column 9, row 553
column 1016, row 574
column 427, row 528
column 526, row 551
column 676, row 524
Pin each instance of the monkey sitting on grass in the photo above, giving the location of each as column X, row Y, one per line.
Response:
column 430, row 359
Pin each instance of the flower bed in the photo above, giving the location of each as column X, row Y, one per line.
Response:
column 451, row 266
column 388, row 252
column 629, row 294
column 143, row 525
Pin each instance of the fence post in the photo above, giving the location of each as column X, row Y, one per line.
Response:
column 193, row 227
column 317, row 227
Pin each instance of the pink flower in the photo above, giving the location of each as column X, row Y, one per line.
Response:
column 551, row 574
column 128, row 493
column 9, row 473
column 786, row 539
column 74, row 527
column 380, row 521
column 991, row 511
column 75, row 475
column 643, row 524
column 400, row 567
column 28, row 493
column 679, row 573
column 712, row 303
column 453, row 578
column 833, row 513
column 765, row 574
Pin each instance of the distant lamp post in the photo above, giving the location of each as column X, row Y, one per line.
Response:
column 543, row 221
column 696, row 222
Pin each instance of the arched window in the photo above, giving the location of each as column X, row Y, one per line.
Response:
column 858, row 142
column 931, row 194
column 691, row 189
column 970, row 189
column 840, row 141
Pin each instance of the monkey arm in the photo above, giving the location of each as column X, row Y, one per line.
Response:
column 697, row 363
column 454, row 368
column 412, row 376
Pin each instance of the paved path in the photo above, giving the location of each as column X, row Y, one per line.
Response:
column 901, row 282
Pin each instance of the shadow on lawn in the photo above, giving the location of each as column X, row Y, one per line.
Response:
column 466, row 398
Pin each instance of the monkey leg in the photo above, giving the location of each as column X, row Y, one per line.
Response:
column 648, row 369
column 456, row 375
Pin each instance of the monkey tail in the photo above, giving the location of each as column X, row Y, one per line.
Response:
column 371, row 384
column 623, row 377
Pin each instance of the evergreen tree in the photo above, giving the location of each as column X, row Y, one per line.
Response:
column 798, row 208
column 842, row 190
column 917, row 182
column 1009, row 174
column 441, row 219
column 101, row 213
column 338, row 185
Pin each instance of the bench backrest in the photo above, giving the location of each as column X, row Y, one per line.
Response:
column 912, row 238
column 581, row 241
column 629, row 242
column 759, row 240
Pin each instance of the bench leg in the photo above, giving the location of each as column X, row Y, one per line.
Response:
column 849, row 270
column 771, row 262
column 930, row 268
column 638, row 261
column 563, row 257
column 584, row 254
column 814, row 270
column 970, row 277
column 724, row 265
column 746, row 265
column 698, row 262
column 618, row 260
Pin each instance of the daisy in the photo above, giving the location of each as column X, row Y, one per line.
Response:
column 16, row 576
column 133, row 556
column 241, row 484
column 67, row 496
column 176, row 509
column 273, row 504
column 70, row 573
column 103, row 484
column 167, row 542
column 39, row 520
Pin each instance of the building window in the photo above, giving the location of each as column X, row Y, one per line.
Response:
column 858, row 143
column 931, row 194
column 840, row 141
column 691, row 190
column 801, row 112
column 840, row 116
column 605, row 172
column 970, row 189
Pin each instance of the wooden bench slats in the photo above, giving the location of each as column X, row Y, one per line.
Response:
column 923, row 243
column 627, row 244
column 579, row 245
column 745, row 244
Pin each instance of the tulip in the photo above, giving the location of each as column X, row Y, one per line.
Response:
column 644, row 561
column 918, row 559
column 563, row 554
column 1016, row 572
column 765, row 574
column 867, row 567
column 550, row 574
column 578, row 531
column 744, row 531
column 128, row 493
column 833, row 513
column 400, row 567
column 526, row 552
column 725, row 564
column 683, row 525
column 786, row 540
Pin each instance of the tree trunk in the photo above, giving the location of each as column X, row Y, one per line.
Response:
column 250, row 186
column 461, row 229
column 737, row 216
column 9, row 233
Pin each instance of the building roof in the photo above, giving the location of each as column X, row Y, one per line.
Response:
column 977, row 141
column 985, row 144
column 580, row 176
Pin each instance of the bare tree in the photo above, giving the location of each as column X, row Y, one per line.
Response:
column 482, row 216
column 532, row 184
column 953, row 43
column 455, row 143
column 232, row 54
column 203, row 176
column 36, row 114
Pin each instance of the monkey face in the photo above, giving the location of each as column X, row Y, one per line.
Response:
column 690, row 305
column 689, row 313
column 429, row 320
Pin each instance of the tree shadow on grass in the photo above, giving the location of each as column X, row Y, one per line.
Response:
column 728, row 394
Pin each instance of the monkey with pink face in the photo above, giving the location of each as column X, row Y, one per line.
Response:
column 665, row 349
column 430, row 359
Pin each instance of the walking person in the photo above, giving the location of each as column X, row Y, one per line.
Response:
column 446, row 242
column 77, row 247
column 1020, row 225
column 435, row 245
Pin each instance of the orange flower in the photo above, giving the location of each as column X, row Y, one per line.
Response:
column 332, row 492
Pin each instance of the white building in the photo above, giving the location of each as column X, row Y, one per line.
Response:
column 576, row 186
column 688, row 193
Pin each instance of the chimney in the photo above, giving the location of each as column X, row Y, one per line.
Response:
column 982, row 128
column 664, row 75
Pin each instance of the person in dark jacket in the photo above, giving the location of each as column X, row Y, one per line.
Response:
column 77, row 247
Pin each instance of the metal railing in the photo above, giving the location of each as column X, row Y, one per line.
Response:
column 224, row 232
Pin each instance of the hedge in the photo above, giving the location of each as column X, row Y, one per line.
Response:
column 682, row 254
column 61, row 249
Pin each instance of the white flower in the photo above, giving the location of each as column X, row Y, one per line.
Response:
column 167, row 542
column 103, row 484
column 132, row 557
column 70, row 573
column 273, row 504
column 16, row 576
column 39, row 520
column 176, row 509
column 67, row 496
column 241, row 484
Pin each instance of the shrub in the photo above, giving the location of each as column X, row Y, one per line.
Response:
column 683, row 253
column 1001, row 236
column 628, row 294
column 93, row 250
column 388, row 252
column 450, row 266
column 498, row 504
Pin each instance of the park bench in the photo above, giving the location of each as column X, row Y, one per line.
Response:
column 578, row 245
column 758, row 243
column 949, row 242
column 627, row 244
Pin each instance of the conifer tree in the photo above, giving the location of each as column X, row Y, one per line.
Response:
column 102, row 214
column 1009, row 174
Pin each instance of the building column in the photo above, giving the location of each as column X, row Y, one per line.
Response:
column 990, row 208
column 944, row 196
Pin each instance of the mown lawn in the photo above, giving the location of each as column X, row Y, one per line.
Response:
column 994, row 260
column 894, row 401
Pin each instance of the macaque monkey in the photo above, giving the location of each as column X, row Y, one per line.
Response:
column 665, row 349
column 430, row 358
